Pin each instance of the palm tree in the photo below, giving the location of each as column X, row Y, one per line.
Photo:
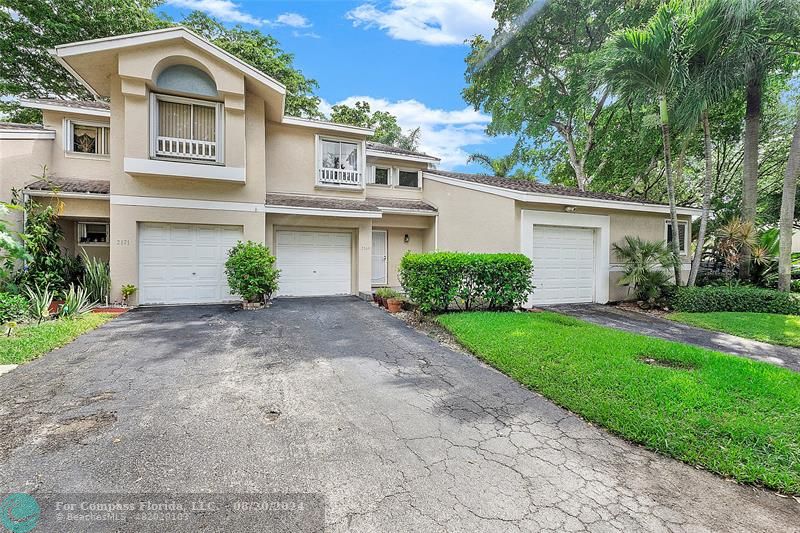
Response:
column 651, row 63
column 498, row 166
column 787, row 210
column 644, row 263
column 713, row 73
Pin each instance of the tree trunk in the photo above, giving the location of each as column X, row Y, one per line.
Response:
column 787, row 211
column 752, row 130
column 707, row 183
column 676, row 250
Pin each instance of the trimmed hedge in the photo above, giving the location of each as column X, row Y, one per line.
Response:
column 741, row 299
column 437, row 281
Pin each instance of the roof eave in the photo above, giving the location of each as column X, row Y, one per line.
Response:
column 407, row 157
column 24, row 102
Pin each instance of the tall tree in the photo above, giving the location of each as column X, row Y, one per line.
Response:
column 536, row 76
column 498, row 166
column 788, row 201
column 650, row 63
column 387, row 130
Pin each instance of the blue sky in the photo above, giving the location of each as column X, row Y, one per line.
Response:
column 403, row 56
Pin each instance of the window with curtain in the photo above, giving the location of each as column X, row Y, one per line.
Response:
column 683, row 230
column 339, row 155
column 88, row 139
column 186, row 129
column 381, row 176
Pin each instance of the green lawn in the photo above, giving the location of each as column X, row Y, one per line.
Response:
column 731, row 415
column 30, row 341
column 775, row 329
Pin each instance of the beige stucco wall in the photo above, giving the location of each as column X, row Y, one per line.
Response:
column 124, row 250
column 20, row 161
column 64, row 164
column 383, row 191
column 420, row 231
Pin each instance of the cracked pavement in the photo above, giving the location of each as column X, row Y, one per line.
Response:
column 333, row 396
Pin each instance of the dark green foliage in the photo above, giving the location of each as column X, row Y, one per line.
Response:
column 646, row 265
column 12, row 307
column 743, row 299
column 251, row 271
column 437, row 281
column 47, row 266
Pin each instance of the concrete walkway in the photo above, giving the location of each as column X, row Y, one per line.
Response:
column 606, row 315
column 333, row 397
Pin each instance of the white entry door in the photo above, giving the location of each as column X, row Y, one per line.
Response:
column 313, row 263
column 563, row 264
column 379, row 257
column 184, row 263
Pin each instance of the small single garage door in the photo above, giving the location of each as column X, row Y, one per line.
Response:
column 563, row 264
column 313, row 263
column 184, row 263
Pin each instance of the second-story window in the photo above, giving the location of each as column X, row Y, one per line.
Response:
column 187, row 129
column 339, row 162
column 408, row 178
column 87, row 138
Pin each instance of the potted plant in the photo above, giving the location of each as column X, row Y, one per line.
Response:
column 383, row 294
column 127, row 291
column 395, row 303
column 251, row 273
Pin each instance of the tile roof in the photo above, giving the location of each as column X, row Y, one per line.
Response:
column 535, row 187
column 14, row 126
column 372, row 145
column 77, row 104
column 370, row 205
column 71, row 185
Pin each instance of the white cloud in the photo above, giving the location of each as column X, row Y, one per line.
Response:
column 228, row 11
column 434, row 22
column 295, row 20
column 445, row 133
column 225, row 10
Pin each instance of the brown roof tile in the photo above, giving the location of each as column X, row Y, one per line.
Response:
column 14, row 126
column 71, row 185
column 373, row 205
column 77, row 104
column 372, row 145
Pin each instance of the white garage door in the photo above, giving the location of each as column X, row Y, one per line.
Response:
column 313, row 263
column 184, row 263
column 563, row 264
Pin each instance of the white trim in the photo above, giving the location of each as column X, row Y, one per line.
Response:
column 83, row 223
column 183, row 169
column 182, row 203
column 50, row 106
column 362, row 161
column 373, row 152
column 81, row 195
column 559, row 199
column 219, row 126
column 602, row 245
column 686, row 235
column 31, row 134
column 320, row 212
column 154, row 36
column 385, row 258
column 402, row 211
column 371, row 175
column 436, row 233
column 325, row 125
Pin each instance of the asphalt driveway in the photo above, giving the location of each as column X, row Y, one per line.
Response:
column 336, row 398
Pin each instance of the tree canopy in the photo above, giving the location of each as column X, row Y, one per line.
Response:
column 387, row 130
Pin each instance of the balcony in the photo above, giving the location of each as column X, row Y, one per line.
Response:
column 338, row 177
column 177, row 148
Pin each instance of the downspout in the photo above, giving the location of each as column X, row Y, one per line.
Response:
column 436, row 233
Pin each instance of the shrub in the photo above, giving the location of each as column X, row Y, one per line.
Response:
column 251, row 271
column 46, row 264
column 436, row 281
column 39, row 300
column 76, row 303
column 96, row 279
column 744, row 299
column 647, row 267
column 386, row 292
column 12, row 307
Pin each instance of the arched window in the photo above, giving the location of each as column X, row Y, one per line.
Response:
column 187, row 79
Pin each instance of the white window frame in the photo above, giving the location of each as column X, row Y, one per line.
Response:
column 419, row 178
column 682, row 225
column 373, row 168
column 69, row 128
column 80, row 225
column 361, row 147
column 220, row 127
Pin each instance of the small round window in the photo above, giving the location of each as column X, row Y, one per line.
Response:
column 187, row 79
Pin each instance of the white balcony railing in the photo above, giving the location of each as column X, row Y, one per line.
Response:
column 336, row 176
column 186, row 148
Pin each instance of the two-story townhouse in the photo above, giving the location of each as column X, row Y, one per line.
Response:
column 187, row 150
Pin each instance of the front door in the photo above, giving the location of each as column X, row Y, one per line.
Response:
column 379, row 256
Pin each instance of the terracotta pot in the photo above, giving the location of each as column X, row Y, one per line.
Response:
column 394, row 305
column 54, row 305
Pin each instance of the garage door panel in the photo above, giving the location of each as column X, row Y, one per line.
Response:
column 314, row 263
column 184, row 263
column 563, row 264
